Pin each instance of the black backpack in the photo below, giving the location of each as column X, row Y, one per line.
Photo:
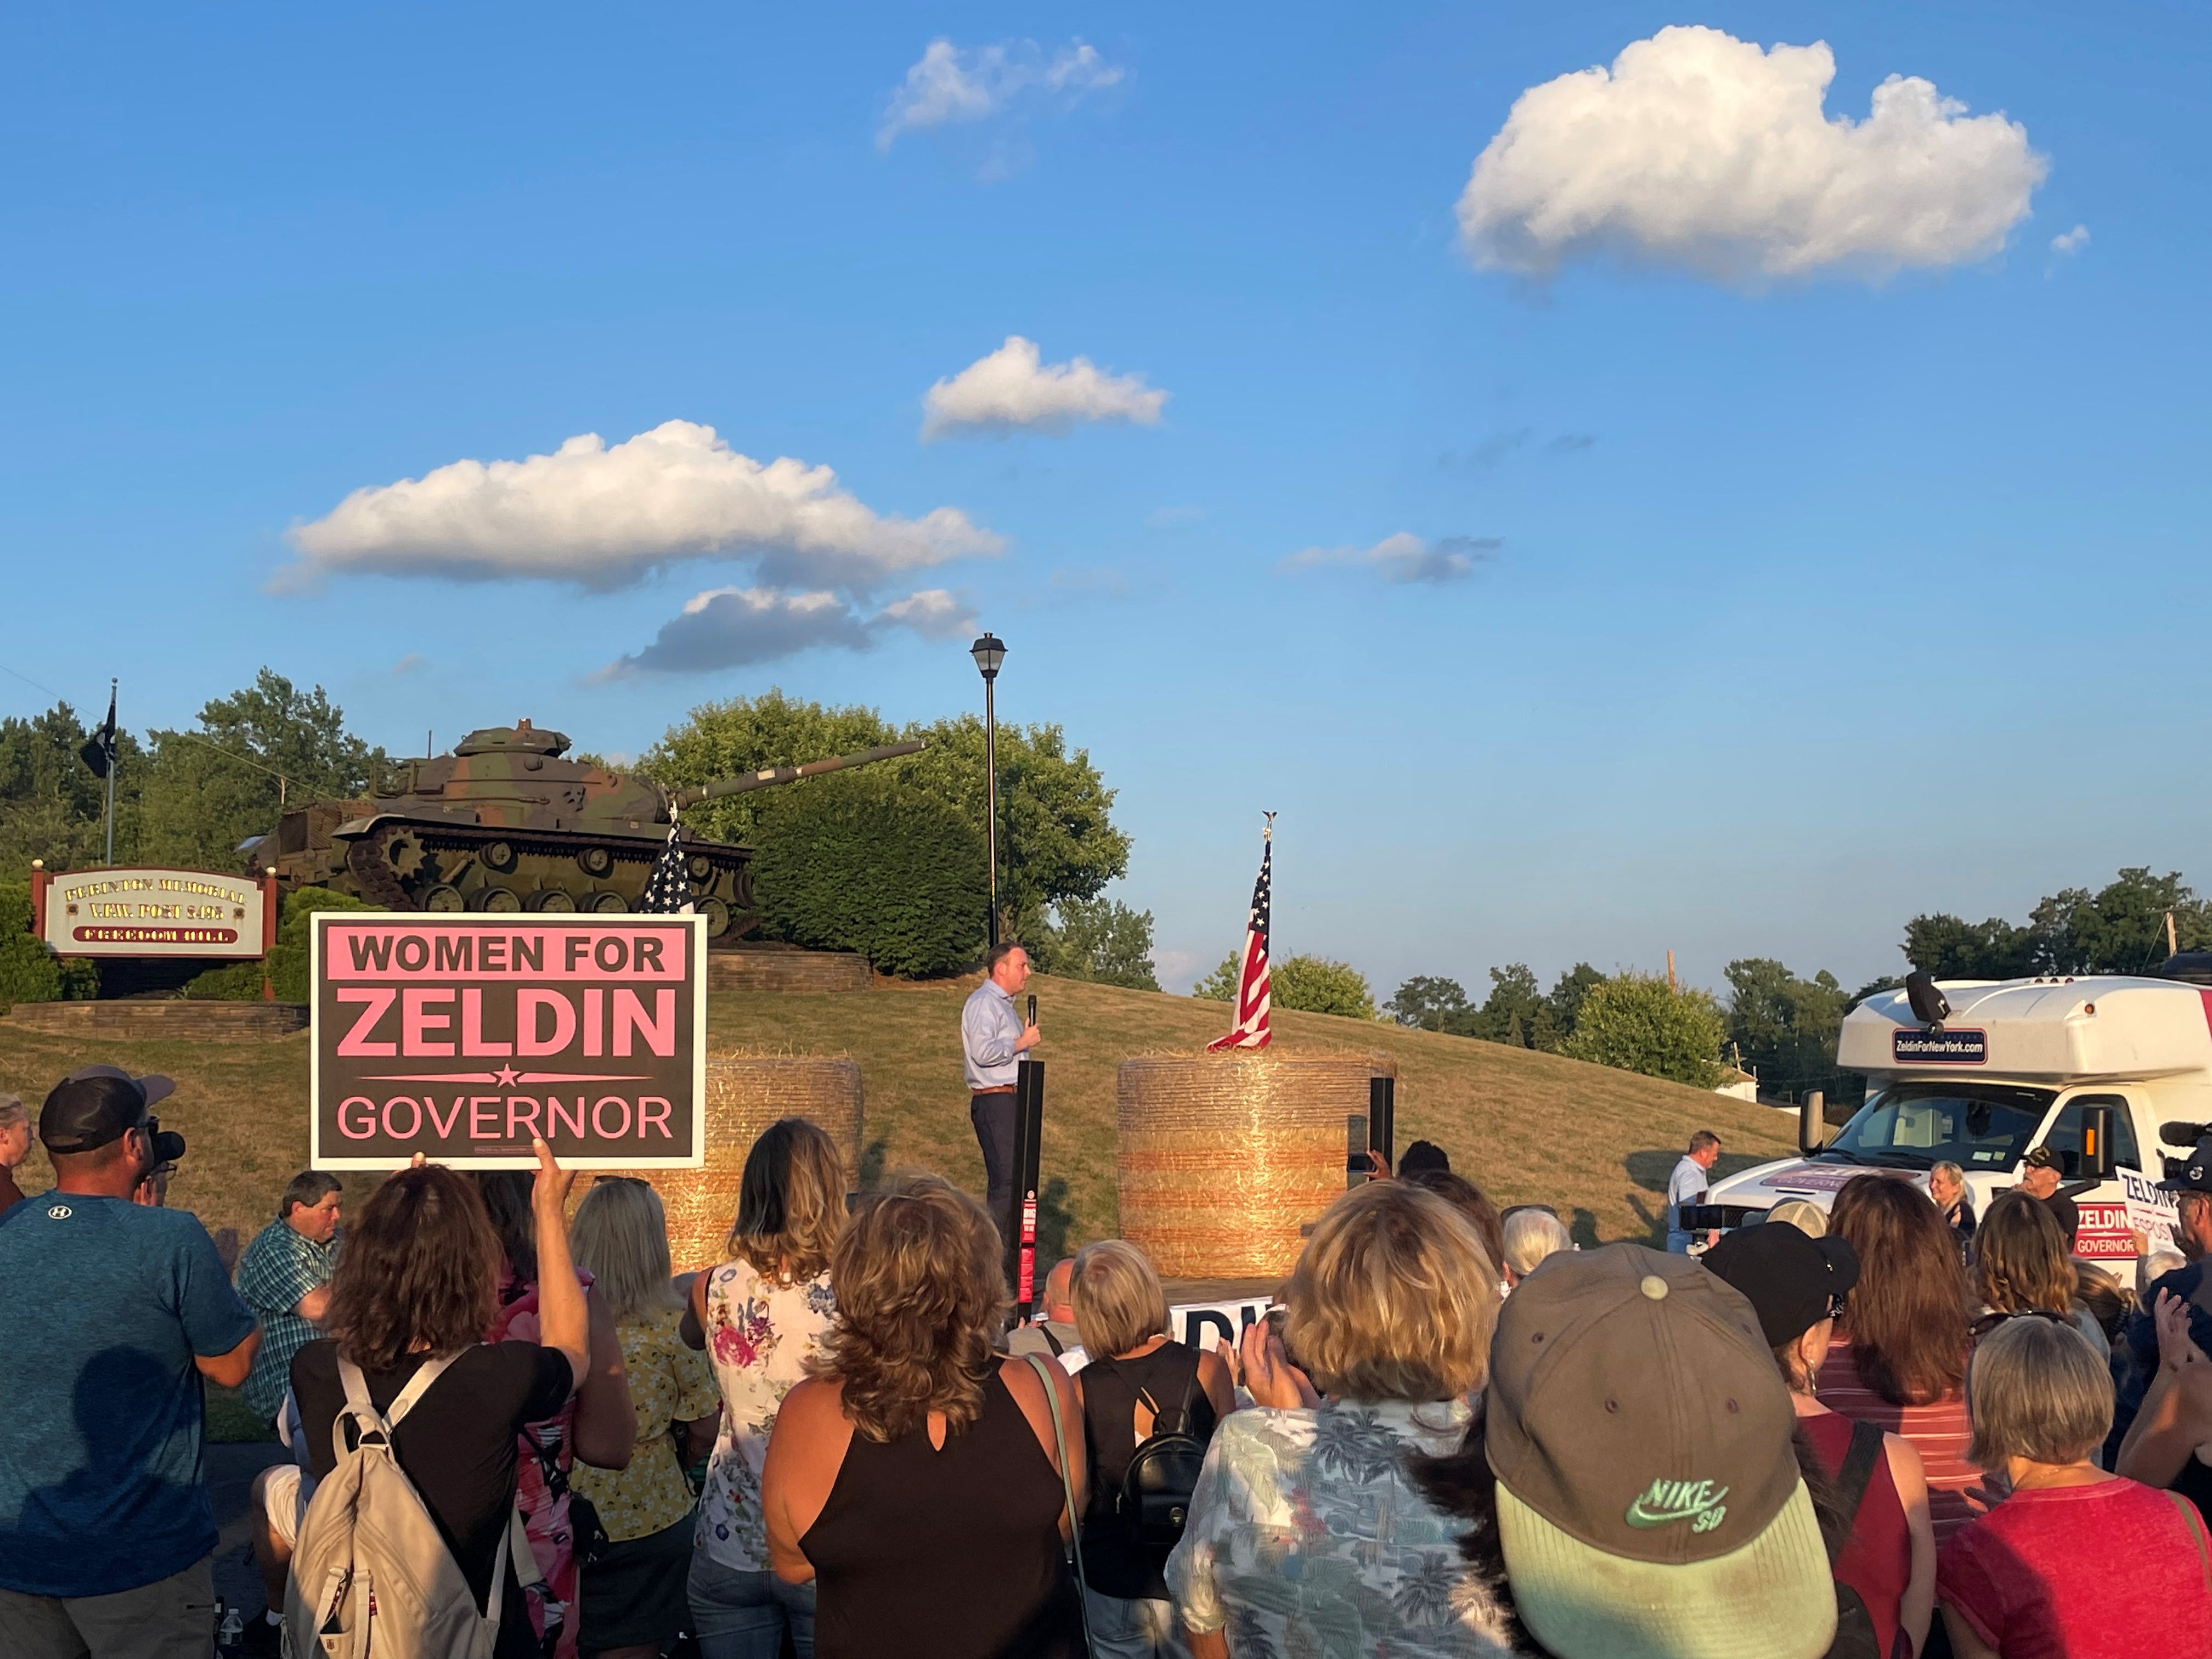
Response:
column 1162, row 1473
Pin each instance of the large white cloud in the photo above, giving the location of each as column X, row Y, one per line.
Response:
column 1405, row 558
column 1011, row 391
column 735, row 626
column 605, row 516
column 1704, row 153
column 949, row 85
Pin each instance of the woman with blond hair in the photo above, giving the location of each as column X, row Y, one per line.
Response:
column 632, row 1596
column 761, row 1317
column 2075, row 1561
column 1138, row 1380
column 1307, row 1531
column 2021, row 1266
column 921, row 1480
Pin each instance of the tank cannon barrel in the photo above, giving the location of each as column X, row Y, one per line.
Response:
column 776, row 775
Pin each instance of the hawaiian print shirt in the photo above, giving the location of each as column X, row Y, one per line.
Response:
column 760, row 1334
column 668, row 1383
column 1306, row 1537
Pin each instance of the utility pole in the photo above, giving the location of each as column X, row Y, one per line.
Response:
column 1670, row 972
column 2171, row 949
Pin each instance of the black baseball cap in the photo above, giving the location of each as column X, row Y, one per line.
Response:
column 94, row 1105
column 2042, row 1157
column 1789, row 1279
column 2194, row 1177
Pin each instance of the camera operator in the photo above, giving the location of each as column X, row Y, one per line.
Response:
column 110, row 1312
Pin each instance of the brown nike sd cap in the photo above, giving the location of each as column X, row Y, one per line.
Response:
column 1650, row 1502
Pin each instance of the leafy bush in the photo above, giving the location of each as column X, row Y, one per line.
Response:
column 29, row 971
column 288, row 957
column 1639, row 1022
column 1312, row 985
column 858, row 862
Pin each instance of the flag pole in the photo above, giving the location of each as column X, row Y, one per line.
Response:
column 112, row 751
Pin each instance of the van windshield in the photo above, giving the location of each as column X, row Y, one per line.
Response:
column 1912, row 1125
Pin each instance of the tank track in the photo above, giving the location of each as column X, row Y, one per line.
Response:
column 369, row 861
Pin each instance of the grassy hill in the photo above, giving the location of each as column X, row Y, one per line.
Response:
column 1594, row 1143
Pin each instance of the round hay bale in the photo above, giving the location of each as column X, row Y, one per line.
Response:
column 1225, row 1159
column 744, row 1095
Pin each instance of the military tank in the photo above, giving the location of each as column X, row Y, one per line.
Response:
column 503, row 824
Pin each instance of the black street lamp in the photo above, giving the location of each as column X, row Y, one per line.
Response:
column 989, row 652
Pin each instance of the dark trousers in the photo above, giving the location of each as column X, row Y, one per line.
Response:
column 993, row 1118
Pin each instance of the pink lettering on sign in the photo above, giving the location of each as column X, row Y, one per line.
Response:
column 388, row 952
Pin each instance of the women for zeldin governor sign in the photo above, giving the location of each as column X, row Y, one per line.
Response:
column 462, row 1037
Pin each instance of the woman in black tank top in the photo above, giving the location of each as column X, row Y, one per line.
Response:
column 1138, row 1380
column 909, row 1476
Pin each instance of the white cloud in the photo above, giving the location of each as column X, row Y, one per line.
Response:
column 950, row 85
column 1010, row 390
column 1405, row 558
column 1702, row 153
column 604, row 517
column 2070, row 241
column 734, row 627
column 1170, row 518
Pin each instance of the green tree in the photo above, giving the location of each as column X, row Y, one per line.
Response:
column 1564, row 1006
column 855, row 861
column 1639, row 1022
column 51, row 806
column 29, row 971
column 1316, row 985
column 1786, row 1027
column 1100, row 939
column 1510, row 1010
column 1429, row 1003
column 1313, row 985
column 1950, row 948
column 1056, row 836
column 2118, row 929
column 211, row 789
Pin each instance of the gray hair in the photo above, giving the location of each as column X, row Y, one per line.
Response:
column 1531, row 1235
column 13, row 1111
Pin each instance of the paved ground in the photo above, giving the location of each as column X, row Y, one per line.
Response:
column 230, row 1469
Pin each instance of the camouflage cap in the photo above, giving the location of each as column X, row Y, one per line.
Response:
column 1650, row 1502
column 2042, row 1157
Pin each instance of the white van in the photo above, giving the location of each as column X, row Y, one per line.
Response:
column 2105, row 1070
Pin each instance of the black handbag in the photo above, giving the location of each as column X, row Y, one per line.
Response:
column 1155, row 1489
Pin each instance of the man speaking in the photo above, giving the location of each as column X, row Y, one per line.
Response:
column 991, row 1039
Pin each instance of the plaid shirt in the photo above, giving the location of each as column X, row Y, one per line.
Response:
column 279, row 1267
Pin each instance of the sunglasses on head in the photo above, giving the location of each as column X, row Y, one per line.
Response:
column 1990, row 1321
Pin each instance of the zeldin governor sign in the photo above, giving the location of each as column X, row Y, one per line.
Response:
column 461, row 1037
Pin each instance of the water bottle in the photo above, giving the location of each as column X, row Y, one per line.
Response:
column 232, row 1630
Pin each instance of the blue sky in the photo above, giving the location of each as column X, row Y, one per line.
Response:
column 1777, row 605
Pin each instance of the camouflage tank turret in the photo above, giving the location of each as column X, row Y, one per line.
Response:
column 504, row 824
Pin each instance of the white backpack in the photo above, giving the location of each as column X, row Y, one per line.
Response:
column 370, row 1574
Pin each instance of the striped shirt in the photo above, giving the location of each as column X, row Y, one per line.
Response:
column 1939, row 1432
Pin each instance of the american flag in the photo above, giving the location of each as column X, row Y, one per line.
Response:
column 1250, row 1031
column 668, row 888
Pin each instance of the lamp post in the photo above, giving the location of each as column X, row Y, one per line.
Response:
column 989, row 652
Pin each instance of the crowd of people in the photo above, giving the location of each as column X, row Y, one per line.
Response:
column 512, row 1428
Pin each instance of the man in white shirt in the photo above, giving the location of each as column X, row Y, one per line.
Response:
column 1687, row 1185
column 993, row 1039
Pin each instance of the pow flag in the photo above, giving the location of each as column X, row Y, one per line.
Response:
column 1250, row 1031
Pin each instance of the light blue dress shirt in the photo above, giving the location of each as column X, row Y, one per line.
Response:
column 989, row 1029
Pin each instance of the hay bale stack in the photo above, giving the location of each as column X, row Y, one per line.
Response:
column 744, row 1095
column 1225, row 1159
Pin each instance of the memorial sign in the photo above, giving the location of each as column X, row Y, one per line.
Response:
column 154, row 913
column 461, row 1037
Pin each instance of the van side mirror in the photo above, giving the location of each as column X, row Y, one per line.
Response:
column 2096, row 1160
column 1813, row 1123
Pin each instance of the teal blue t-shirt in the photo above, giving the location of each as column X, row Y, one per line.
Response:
column 103, row 1304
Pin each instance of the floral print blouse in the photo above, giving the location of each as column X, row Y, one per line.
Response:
column 760, row 1333
column 1308, row 1537
column 668, row 1383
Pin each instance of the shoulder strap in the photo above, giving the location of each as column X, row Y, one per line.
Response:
column 1044, row 1368
column 1190, row 1394
column 1856, row 1475
column 1052, row 1340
